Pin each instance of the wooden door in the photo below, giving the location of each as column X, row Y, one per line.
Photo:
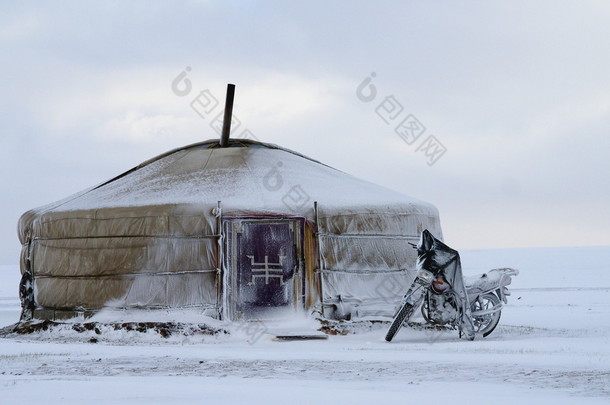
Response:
column 263, row 274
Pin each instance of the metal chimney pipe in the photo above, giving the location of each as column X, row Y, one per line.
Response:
column 226, row 123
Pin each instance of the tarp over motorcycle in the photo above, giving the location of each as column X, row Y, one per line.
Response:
column 232, row 231
column 440, row 259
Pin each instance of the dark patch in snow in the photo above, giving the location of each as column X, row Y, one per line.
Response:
column 164, row 329
column 332, row 327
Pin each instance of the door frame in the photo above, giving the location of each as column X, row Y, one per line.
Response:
column 230, row 228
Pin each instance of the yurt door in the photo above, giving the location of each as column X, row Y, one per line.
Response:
column 263, row 275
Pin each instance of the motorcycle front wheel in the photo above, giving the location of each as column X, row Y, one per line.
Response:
column 403, row 314
column 485, row 324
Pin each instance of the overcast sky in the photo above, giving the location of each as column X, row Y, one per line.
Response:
column 516, row 94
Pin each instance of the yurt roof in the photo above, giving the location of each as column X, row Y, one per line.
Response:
column 246, row 176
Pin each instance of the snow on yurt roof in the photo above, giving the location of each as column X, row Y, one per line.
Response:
column 246, row 175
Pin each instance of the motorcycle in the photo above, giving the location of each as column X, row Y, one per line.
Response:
column 472, row 305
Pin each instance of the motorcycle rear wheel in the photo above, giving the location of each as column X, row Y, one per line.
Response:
column 401, row 316
column 485, row 324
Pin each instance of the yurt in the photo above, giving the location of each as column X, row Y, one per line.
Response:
column 244, row 230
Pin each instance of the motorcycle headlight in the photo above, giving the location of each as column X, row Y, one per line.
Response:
column 440, row 286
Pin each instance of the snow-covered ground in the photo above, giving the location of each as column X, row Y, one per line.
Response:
column 552, row 346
